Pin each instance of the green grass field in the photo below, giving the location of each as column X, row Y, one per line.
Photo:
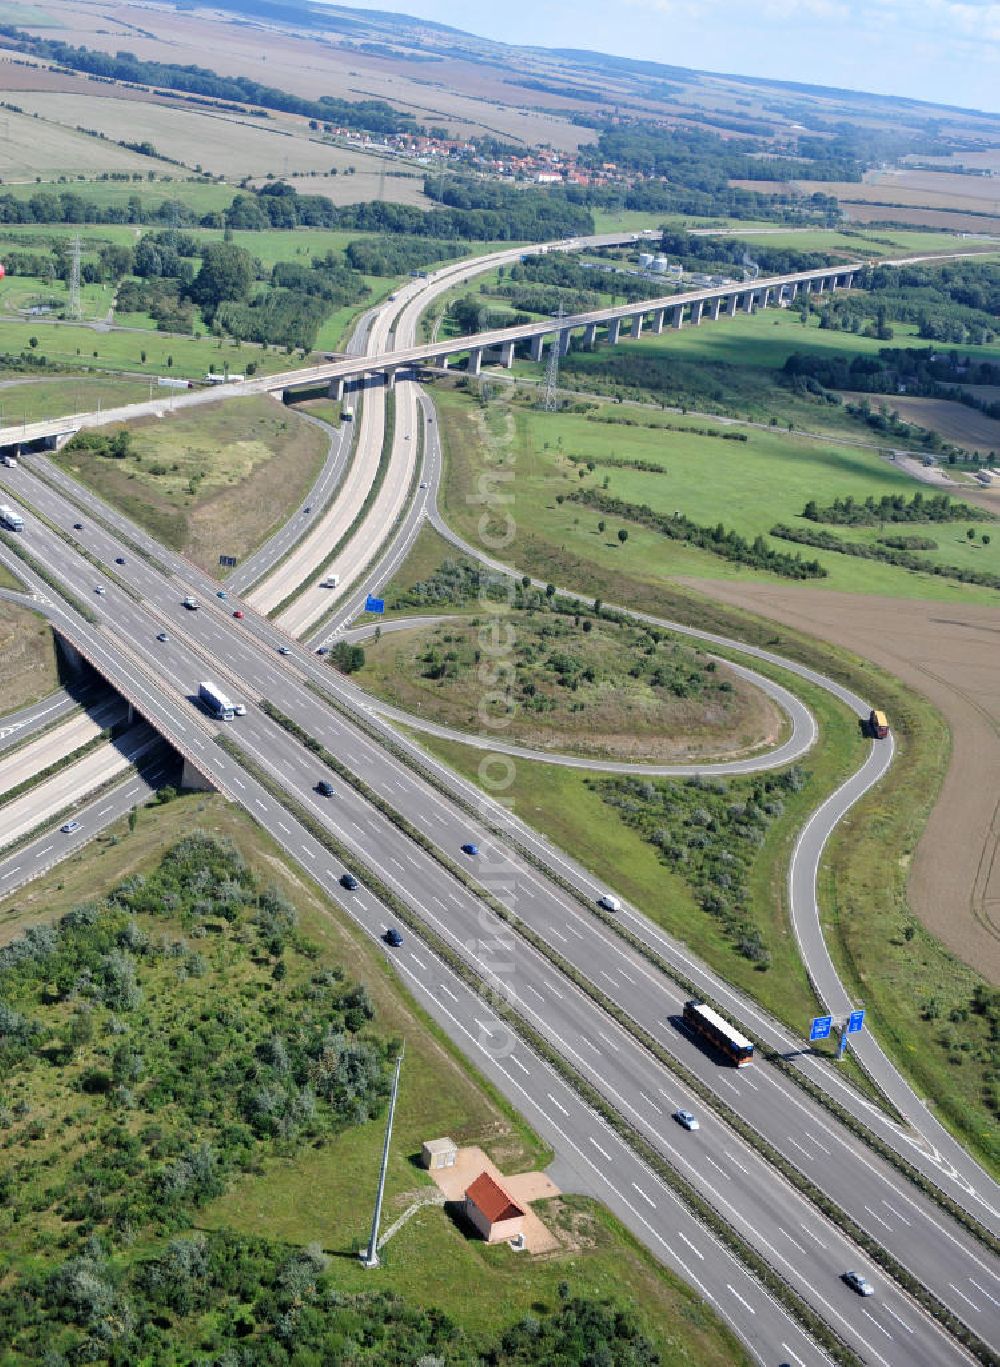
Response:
column 28, row 666
column 747, row 486
column 201, row 196
column 49, row 396
column 324, row 1193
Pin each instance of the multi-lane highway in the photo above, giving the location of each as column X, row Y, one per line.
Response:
column 809, row 1252
column 249, row 655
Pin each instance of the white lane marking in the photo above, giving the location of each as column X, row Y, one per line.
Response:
column 285, row 828
column 815, row 1237
column 553, row 931
column 984, row 1291
column 813, row 1140
column 711, row 1161
column 308, row 851
column 797, row 1145
column 794, row 1356
column 697, row 1253
column 10, row 872
column 964, row 1297
column 518, row 1064
column 590, row 1045
column 655, row 1105
column 791, row 1240
column 889, row 1310
column 554, row 990
column 104, row 810
column 735, row 1161
column 557, row 1104
column 883, row 1223
column 648, row 1199
column 603, row 1152
column 609, row 978
column 609, row 1041
column 880, row 1327
column 448, row 992
column 419, row 962
column 894, row 1211
column 239, row 782
column 261, row 805
column 534, row 990
column 732, row 1290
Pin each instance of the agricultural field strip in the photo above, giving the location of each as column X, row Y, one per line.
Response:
column 129, row 607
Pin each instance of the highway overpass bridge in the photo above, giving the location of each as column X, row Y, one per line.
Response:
column 499, row 345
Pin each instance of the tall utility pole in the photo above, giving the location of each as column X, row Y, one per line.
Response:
column 370, row 1257
column 550, row 401
column 73, row 308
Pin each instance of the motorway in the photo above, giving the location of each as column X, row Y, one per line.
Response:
column 421, row 884
column 968, row 1283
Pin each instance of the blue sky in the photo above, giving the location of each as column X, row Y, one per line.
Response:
column 942, row 50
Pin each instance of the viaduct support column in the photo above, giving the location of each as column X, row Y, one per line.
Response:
column 658, row 317
column 697, row 309
column 678, row 319
column 637, row 325
column 194, row 780
column 336, row 389
column 614, row 330
column 537, row 346
column 444, row 362
column 590, row 334
column 714, row 309
column 475, row 361
column 733, row 305
column 390, row 377
column 562, row 341
column 748, row 302
column 507, row 354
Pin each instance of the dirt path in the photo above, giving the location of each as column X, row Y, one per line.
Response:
column 951, row 654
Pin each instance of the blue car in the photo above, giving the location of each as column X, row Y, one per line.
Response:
column 470, row 849
column 222, row 594
column 393, row 937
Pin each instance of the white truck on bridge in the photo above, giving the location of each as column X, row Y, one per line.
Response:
column 13, row 521
column 216, row 702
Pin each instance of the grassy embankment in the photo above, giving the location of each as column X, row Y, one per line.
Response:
column 589, row 687
column 323, row 1193
column 211, row 481
column 28, row 668
column 875, row 930
column 748, row 486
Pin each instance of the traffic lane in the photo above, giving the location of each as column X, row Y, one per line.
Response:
column 248, row 664
column 34, row 756
column 126, row 603
column 14, row 726
column 652, row 1000
column 52, row 846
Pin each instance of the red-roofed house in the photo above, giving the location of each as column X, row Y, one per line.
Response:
column 492, row 1210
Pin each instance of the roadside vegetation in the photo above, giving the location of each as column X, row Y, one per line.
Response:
column 28, row 665
column 569, row 680
column 163, row 1019
column 213, row 481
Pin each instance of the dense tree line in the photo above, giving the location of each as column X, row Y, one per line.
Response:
column 956, row 303
column 907, row 560
column 373, row 115
column 719, row 254
column 719, row 540
column 847, row 512
column 398, row 255
column 253, row 1302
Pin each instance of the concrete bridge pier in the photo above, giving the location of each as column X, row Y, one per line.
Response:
column 537, row 346
column 590, row 334
column 389, row 375
column 507, row 355
column 475, row 362
column 614, row 330
column 194, row 780
column 335, row 389
column 748, row 302
column 562, row 341
column 658, row 317
column 817, row 286
column 444, row 362
column 678, row 316
column 637, row 320
column 714, row 309
column 733, row 305
column 71, row 657
column 697, row 309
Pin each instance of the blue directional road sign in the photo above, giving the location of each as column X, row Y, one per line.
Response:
column 855, row 1022
column 821, row 1027
column 374, row 604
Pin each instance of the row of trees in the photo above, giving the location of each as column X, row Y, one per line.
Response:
column 889, row 555
column 848, row 512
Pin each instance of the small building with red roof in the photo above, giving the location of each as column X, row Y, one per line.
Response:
column 493, row 1211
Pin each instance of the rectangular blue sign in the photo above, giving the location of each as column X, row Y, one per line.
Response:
column 374, row 604
column 821, row 1027
column 855, row 1022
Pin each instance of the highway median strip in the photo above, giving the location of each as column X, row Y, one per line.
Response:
column 789, row 1170
column 773, row 1282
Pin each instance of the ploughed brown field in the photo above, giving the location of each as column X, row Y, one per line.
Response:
column 951, row 654
column 952, row 421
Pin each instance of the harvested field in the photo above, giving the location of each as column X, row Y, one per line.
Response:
column 950, row 654
column 944, row 219
column 27, row 658
column 373, row 178
column 35, row 147
column 952, row 421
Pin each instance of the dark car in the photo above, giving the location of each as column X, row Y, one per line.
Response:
column 348, row 881
column 322, row 650
column 324, row 788
column 393, row 937
column 238, row 613
column 469, row 848
column 119, row 560
column 859, row 1284
column 162, row 636
column 78, row 526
